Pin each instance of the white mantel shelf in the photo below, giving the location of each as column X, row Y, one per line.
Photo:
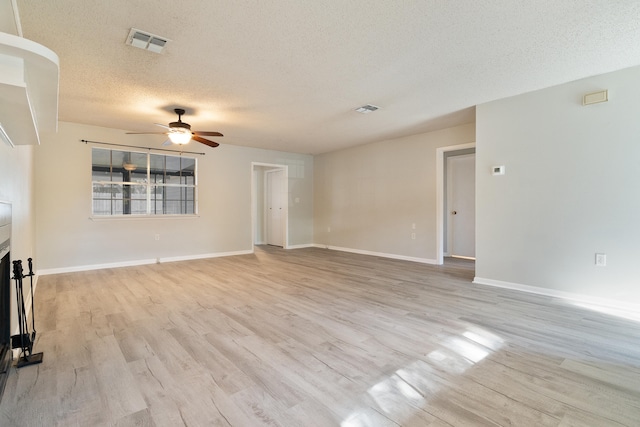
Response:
column 29, row 74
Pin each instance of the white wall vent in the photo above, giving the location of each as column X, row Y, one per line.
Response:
column 146, row 41
column 595, row 97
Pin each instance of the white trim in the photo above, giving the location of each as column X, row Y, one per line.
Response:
column 472, row 258
column 379, row 254
column 140, row 217
column 440, row 196
column 568, row 296
column 16, row 17
column 306, row 245
column 205, row 256
column 48, row 271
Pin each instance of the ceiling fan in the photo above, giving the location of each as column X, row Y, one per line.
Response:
column 180, row 132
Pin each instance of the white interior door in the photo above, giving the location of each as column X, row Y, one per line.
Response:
column 275, row 204
column 462, row 205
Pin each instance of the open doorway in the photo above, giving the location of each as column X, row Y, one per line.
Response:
column 446, row 213
column 460, row 204
column 269, row 204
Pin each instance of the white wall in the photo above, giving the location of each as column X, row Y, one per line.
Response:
column 68, row 239
column 372, row 194
column 571, row 189
column 16, row 187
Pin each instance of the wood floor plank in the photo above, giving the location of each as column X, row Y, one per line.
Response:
column 318, row 338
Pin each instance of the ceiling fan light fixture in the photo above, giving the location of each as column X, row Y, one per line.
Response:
column 180, row 136
column 129, row 166
column 180, row 132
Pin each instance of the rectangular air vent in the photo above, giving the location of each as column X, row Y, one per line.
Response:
column 366, row 109
column 595, row 97
column 146, row 41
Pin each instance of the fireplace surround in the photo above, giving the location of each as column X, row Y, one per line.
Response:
column 5, row 294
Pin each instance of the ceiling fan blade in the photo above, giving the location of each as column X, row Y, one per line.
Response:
column 195, row 132
column 162, row 126
column 146, row 133
column 167, row 142
column 205, row 141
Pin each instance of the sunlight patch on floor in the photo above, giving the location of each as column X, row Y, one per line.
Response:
column 407, row 391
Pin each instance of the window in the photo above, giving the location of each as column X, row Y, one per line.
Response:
column 131, row 183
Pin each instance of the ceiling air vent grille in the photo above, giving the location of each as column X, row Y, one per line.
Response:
column 146, row 41
column 366, row 109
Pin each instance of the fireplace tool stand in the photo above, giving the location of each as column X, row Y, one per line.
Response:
column 25, row 339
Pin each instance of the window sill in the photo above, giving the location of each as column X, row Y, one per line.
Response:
column 139, row 217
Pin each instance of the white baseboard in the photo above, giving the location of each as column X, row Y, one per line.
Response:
column 134, row 263
column 204, row 256
column 306, row 245
column 378, row 254
column 562, row 295
column 47, row 271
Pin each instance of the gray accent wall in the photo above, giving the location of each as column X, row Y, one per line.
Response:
column 368, row 197
column 571, row 189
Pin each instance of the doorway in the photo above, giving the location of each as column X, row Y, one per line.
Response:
column 442, row 212
column 460, row 211
column 269, row 204
column 274, row 202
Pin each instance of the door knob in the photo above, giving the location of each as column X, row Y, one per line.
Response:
column 454, row 212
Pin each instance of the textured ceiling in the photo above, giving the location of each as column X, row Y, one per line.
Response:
column 287, row 74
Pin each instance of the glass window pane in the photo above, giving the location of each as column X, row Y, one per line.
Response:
column 157, row 164
column 139, row 177
column 172, row 207
column 173, row 165
column 139, row 207
column 173, row 200
column 130, row 195
column 172, row 179
column 104, row 197
column 101, row 164
column 100, row 175
column 138, row 191
column 188, row 167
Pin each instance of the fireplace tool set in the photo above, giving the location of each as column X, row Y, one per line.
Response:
column 25, row 339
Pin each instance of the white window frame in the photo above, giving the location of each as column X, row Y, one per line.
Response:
column 149, row 186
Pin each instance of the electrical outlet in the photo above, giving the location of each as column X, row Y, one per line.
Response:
column 413, row 236
column 157, row 237
column 413, row 226
column 601, row 260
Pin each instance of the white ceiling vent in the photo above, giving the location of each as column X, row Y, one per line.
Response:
column 146, row 41
column 595, row 97
column 366, row 109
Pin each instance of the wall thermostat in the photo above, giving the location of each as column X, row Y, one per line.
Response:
column 497, row 170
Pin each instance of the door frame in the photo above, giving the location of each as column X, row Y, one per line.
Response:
column 258, row 167
column 449, row 185
column 440, row 178
column 269, row 193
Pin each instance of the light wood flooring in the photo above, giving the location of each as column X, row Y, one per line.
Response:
column 312, row 337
